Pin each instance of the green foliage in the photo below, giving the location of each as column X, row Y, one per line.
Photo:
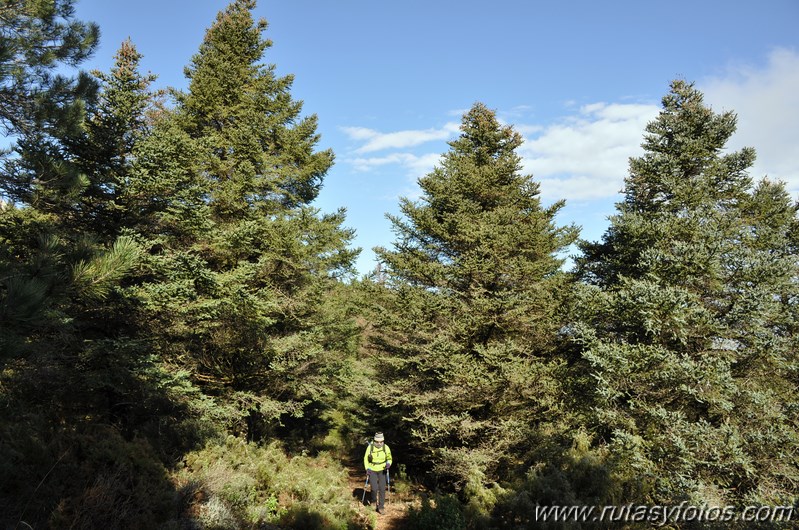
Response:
column 132, row 304
column 582, row 475
column 80, row 478
column 41, row 108
column 66, row 254
column 36, row 37
column 261, row 149
column 241, row 267
column 240, row 484
column 108, row 414
column 118, row 483
column 171, row 303
column 165, row 195
column 94, row 279
column 443, row 513
column 115, row 125
column 689, row 337
column 467, row 331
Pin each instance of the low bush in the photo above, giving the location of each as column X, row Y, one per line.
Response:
column 239, row 484
column 444, row 512
column 91, row 479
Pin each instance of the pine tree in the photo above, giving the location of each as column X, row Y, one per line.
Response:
column 53, row 258
column 466, row 344
column 688, row 328
column 38, row 105
column 84, row 221
column 117, row 124
column 35, row 38
column 72, row 365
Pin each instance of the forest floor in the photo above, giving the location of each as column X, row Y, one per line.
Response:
column 397, row 504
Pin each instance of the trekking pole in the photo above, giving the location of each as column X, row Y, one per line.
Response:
column 388, row 485
column 363, row 498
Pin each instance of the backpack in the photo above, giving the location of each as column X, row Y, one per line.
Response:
column 371, row 448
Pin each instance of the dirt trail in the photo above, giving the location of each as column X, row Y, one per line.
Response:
column 396, row 505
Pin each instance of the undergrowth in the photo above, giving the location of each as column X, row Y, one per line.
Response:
column 239, row 484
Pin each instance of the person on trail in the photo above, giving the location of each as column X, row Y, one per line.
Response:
column 377, row 460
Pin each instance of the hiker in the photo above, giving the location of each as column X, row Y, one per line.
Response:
column 377, row 460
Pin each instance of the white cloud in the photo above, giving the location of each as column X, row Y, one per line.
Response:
column 418, row 165
column 526, row 130
column 370, row 163
column 413, row 166
column 586, row 156
column 424, row 164
column 582, row 157
column 377, row 141
column 766, row 100
column 360, row 133
column 582, row 187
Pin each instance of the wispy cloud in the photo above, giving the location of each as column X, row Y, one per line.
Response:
column 766, row 100
column 585, row 156
column 415, row 163
column 412, row 167
column 379, row 141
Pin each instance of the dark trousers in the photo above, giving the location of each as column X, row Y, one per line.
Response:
column 377, row 479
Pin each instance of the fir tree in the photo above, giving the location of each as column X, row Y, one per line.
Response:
column 262, row 151
column 467, row 341
column 242, row 268
column 117, row 124
column 689, row 330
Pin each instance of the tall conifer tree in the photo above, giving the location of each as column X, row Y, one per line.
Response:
column 71, row 370
column 241, row 281
column 262, row 151
column 117, row 124
column 690, row 330
column 54, row 174
column 466, row 348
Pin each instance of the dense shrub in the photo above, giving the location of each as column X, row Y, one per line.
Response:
column 444, row 512
column 89, row 479
column 239, row 483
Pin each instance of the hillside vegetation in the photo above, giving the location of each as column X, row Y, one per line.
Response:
column 184, row 342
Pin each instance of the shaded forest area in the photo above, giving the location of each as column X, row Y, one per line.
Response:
column 184, row 343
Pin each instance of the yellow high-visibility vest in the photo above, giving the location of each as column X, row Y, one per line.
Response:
column 380, row 457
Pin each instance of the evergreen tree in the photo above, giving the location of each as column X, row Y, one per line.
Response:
column 73, row 366
column 117, row 124
column 84, row 222
column 144, row 305
column 35, row 38
column 261, row 150
column 51, row 260
column 466, row 343
column 38, row 105
column 79, row 175
column 689, row 320
column 242, row 267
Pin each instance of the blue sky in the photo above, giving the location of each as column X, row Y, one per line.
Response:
column 579, row 79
